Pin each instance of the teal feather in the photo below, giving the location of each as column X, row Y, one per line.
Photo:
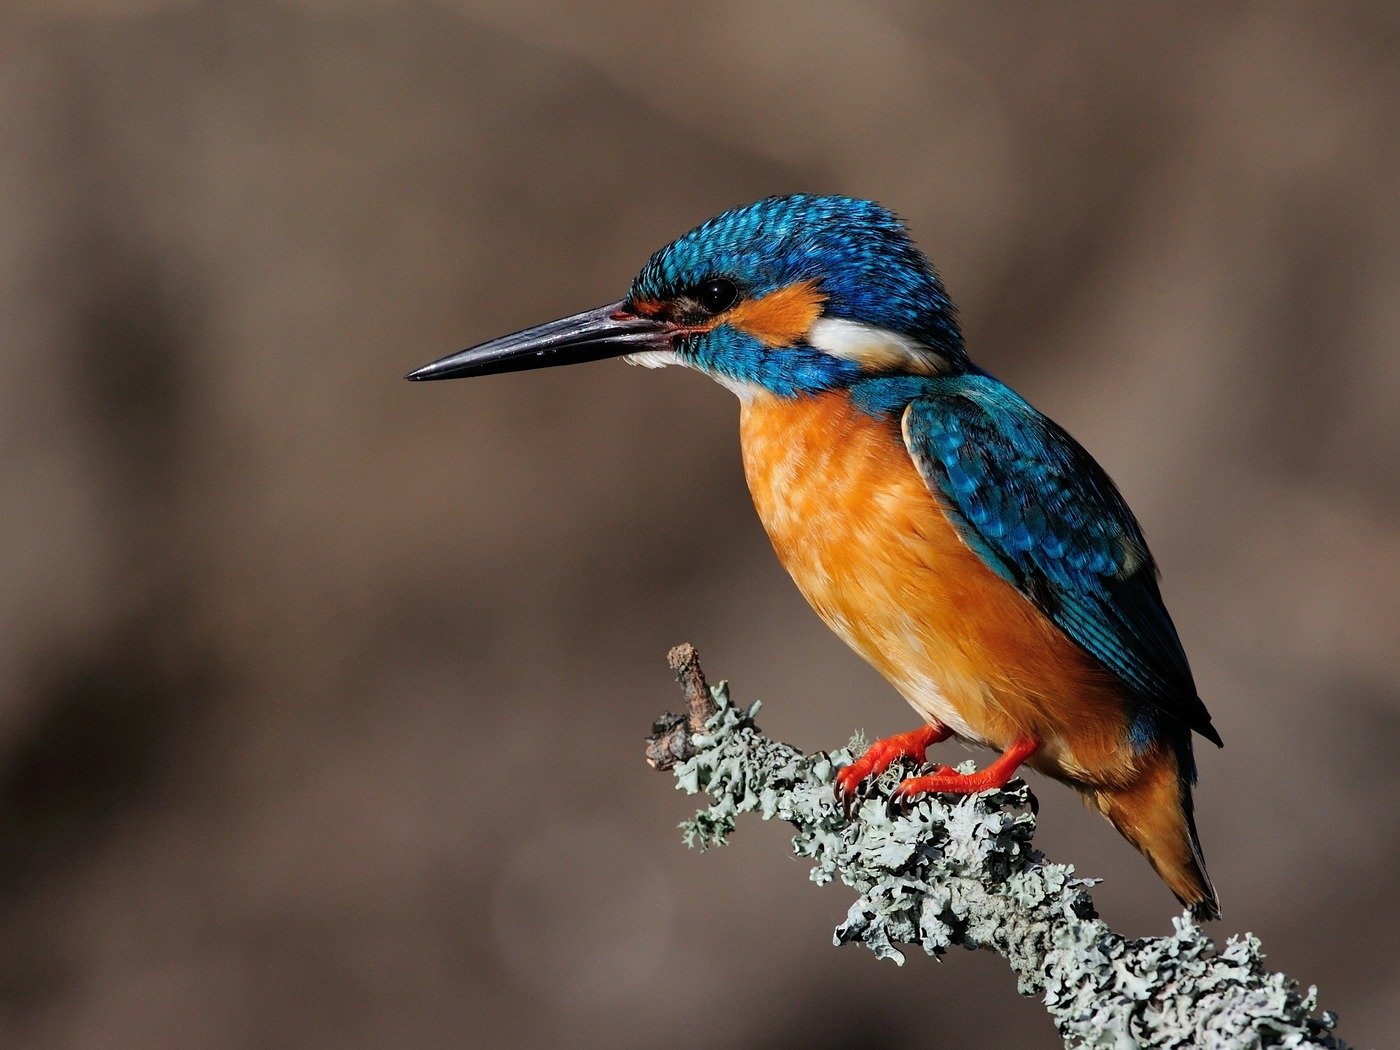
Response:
column 1043, row 515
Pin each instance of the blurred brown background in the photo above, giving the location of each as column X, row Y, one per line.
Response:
column 322, row 694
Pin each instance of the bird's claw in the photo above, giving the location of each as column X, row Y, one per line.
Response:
column 849, row 783
column 879, row 756
column 850, row 793
column 907, row 791
column 896, row 805
column 845, row 798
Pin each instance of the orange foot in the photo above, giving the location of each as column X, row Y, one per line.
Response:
column 879, row 755
column 949, row 781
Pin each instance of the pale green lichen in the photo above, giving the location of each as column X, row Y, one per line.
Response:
column 949, row 871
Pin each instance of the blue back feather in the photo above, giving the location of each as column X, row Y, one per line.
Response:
column 1043, row 515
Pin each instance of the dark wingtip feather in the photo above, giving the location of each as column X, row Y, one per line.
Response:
column 1208, row 907
column 1207, row 910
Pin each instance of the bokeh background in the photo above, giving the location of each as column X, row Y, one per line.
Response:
column 322, row 694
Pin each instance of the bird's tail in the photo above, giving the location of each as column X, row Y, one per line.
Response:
column 1154, row 813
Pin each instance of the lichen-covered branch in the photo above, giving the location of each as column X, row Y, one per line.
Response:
column 949, row 871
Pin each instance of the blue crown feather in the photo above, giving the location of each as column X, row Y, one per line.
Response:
column 857, row 252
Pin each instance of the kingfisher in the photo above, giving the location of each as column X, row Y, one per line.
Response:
column 959, row 540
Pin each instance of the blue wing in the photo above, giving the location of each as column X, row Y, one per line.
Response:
column 1042, row 514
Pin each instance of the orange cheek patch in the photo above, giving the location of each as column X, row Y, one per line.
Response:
column 780, row 318
column 647, row 307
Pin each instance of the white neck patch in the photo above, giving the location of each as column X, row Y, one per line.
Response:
column 653, row 358
column 878, row 349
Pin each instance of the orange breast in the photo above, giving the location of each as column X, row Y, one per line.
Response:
column 870, row 548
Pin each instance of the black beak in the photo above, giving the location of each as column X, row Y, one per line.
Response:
column 609, row 331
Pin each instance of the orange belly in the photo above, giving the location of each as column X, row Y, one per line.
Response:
column 870, row 548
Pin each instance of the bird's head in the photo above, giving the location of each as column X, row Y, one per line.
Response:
column 790, row 295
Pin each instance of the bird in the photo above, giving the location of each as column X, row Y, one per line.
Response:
column 956, row 538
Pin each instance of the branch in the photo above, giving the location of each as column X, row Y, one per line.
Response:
column 950, row 871
column 671, row 735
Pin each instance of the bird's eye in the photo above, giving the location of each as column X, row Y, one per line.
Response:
column 714, row 297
